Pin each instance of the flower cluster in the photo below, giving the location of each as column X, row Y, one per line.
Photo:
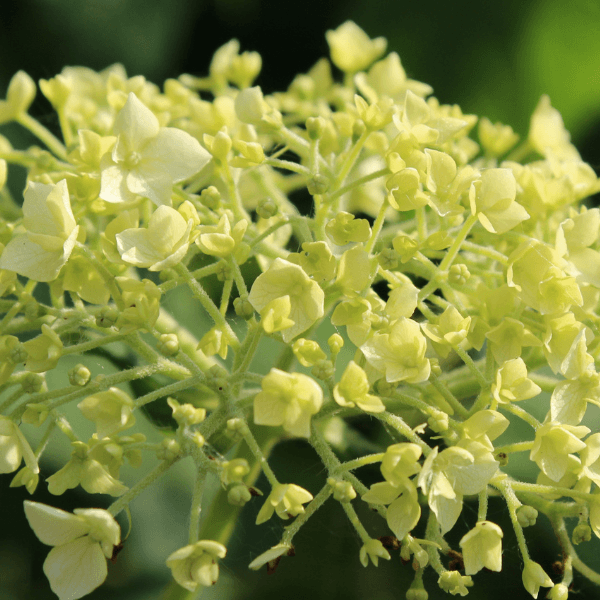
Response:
column 459, row 266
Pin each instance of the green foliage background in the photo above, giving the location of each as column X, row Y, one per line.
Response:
column 494, row 59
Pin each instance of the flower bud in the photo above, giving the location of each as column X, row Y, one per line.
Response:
column 267, row 208
column 250, row 106
column 17, row 352
column 35, row 414
column 79, row 375
column 315, row 127
column 19, row 96
column 323, row 369
column 581, row 533
column 458, row 274
column 236, row 428
column 414, row 593
column 335, row 343
column 388, row 259
column 107, row 316
column 186, row 414
column 319, row 184
column 559, row 592
column 239, row 495
column 243, row 308
column 526, row 515
column 169, row 449
column 32, row 383
column 342, row 490
column 220, row 146
column 211, row 197
column 168, row 344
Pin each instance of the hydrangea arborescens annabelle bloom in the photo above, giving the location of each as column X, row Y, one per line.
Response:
column 435, row 312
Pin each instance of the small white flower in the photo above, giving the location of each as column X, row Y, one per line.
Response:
column 82, row 542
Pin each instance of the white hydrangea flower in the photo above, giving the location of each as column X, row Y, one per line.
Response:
column 51, row 233
column 159, row 246
column 284, row 278
column 82, row 542
column 147, row 159
column 196, row 564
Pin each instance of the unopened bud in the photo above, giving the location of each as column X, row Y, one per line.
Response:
column 243, row 308
column 211, row 197
column 79, row 375
column 168, row 450
column 32, row 383
column 266, row 208
column 582, row 533
column 239, row 495
column 458, row 274
column 388, row 259
column 168, row 344
column 107, row 316
column 319, row 184
column 526, row 515
column 315, row 127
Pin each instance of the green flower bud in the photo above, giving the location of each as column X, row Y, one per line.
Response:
column 107, row 316
column 31, row 310
column 267, row 208
column 225, row 271
column 239, row 495
column 35, row 414
column 458, row 274
column 335, row 343
column 79, row 375
column 18, row 352
column 319, row 184
column 243, row 308
column 220, row 146
column 414, row 593
column 236, row 428
column 438, row 421
column 169, row 449
column 526, row 515
column 211, row 197
column 582, row 533
column 32, row 383
column 323, row 369
column 502, row 458
column 19, row 96
column 405, row 246
column 388, row 259
column 315, row 127
column 385, row 388
column 342, row 490
column 168, row 344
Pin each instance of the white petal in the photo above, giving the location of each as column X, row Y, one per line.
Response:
column 53, row 526
column 177, row 152
column 135, row 124
column 135, row 247
column 30, row 260
column 75, row 569
column 113, row 187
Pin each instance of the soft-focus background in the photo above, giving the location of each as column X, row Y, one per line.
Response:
column 494, row 59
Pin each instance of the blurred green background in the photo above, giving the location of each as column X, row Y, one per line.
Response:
column 494, row 59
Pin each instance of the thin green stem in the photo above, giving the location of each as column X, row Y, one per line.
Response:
column 115, row 508
column 45, row 136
